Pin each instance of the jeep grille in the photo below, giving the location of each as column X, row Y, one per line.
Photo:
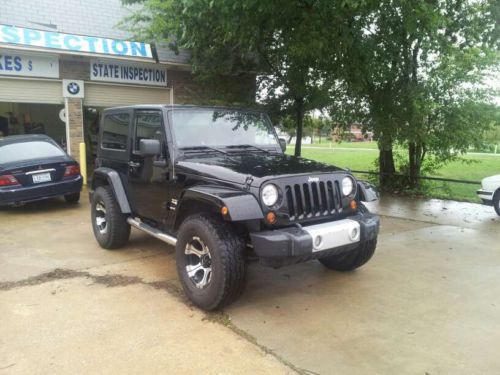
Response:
column 313, row 199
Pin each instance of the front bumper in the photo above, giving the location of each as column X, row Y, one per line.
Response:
column 485, row 196
column 296, row 244
column 21, row 194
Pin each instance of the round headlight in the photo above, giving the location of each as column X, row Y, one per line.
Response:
column 269, row 195
column 347, row 186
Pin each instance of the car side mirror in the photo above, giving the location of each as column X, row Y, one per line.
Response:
column 149, row 147
column 283, row 144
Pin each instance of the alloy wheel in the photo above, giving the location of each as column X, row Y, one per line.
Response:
column 100, row 217
column 198, row 262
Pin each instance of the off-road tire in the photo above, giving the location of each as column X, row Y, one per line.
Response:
column 352, row 259
column 227, row 261
column 496, row 202
column 118, row 230
column 72, row 198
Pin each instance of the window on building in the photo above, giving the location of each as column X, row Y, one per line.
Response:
column 115, row 131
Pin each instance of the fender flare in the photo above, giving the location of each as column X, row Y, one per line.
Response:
column 114, row 180
column 242, row 206
column 367, row 192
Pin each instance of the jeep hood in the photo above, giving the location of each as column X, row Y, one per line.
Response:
column 259, row 167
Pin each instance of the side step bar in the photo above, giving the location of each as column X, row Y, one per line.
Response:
column 152, row 231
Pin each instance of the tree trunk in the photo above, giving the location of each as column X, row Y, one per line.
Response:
column 299, row 113
column 412, row 160
column 387, row 168
column 415, row 163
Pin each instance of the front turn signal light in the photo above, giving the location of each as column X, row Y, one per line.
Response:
column 271, row 217
column 354, row 205
column 224, row 211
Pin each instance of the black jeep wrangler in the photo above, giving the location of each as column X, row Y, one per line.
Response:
column 215, row 182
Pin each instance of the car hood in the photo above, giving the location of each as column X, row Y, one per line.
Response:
column 257, row 167
column 491, row 183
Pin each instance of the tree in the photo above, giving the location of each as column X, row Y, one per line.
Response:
column 416, row 67
column 287, row 124
column 395, row 66
column 288, row 43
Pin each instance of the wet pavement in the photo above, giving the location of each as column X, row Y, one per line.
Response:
column 437, row 211
column 428, row 302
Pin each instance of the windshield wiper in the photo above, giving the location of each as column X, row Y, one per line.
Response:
column 199, row 148
column 249, row 146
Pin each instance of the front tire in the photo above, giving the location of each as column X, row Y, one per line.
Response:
column 210, row 261
column 352, row 259
column 496, row 202
column 110, row 226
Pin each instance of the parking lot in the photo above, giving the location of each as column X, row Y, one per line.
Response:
column 428, row 302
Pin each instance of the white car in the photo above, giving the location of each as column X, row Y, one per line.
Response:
column 490, row 192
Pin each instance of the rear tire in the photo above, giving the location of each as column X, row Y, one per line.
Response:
column 352, row 259
column 110, row 226
column 210, row 261
column 72, row 198
column 496, row 202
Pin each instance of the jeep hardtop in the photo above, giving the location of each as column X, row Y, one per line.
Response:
column 215, row 183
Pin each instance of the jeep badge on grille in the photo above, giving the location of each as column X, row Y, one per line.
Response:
column 313, row 179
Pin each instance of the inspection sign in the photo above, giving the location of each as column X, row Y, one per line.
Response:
column 123, row 72
column 55, row 41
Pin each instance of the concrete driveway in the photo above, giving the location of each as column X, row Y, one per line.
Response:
column 428, row 302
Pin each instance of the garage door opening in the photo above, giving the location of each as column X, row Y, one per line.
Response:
column 32, row 118
column 91, row 117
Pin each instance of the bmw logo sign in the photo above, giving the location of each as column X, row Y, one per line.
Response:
column 73, row 88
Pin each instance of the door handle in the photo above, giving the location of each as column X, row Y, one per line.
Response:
column 134, row 164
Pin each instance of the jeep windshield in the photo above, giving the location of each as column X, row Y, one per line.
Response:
column 232, row 130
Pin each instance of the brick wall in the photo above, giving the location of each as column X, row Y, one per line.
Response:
column 74, row 68
column 75, row 118
column 226, row 89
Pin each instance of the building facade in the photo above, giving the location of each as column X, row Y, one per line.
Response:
column 62, row 62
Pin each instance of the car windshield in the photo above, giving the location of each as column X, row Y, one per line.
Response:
column 23, row 151
column 221, row 128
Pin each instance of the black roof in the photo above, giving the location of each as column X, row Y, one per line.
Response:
column 182, row 106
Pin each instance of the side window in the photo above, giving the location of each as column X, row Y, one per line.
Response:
column 147, row 126
column 115, row 131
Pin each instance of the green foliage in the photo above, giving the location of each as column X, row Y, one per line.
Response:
column 315, row 127
column 417, row 67
column 491, row 141
column 470, row 167
column 289, row 44
column 410, row 71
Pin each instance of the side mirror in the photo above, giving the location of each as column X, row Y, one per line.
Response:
column 283, row 144
column 149, row 147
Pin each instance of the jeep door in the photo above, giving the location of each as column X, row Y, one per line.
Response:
column 148, row 174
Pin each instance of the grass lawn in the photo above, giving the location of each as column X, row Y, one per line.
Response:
column 348, row 155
